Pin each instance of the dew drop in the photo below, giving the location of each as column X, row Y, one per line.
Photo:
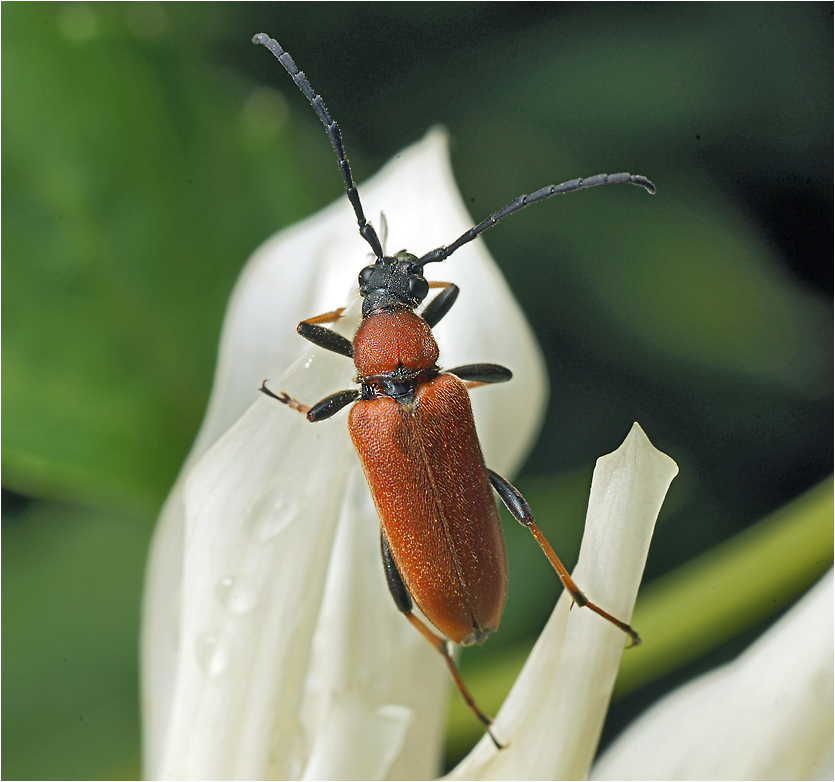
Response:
column 212, row 654
column 235, row 594
column 283, row 512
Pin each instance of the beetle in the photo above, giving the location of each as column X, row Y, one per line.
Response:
column 412, row 427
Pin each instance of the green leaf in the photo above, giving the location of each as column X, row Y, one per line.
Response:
column 72, row 582
column 136, row 182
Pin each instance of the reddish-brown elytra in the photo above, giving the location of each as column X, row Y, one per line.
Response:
column 414, row 432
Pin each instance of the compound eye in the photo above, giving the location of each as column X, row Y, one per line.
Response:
column 365, row 275
column 418, row 288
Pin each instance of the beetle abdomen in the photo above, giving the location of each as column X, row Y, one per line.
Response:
column 427, row 475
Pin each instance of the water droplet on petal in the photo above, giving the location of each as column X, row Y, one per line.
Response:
column 212, row 654
column 236, row 594
column 282, row 513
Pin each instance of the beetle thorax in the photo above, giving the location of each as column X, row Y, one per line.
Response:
column 394, row 340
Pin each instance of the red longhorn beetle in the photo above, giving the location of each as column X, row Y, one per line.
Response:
column 414, row 432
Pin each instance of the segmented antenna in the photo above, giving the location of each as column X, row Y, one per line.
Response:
column 366, row 229
column 442, row 253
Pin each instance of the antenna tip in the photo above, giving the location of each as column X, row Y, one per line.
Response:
column 643, row 182
column 261, row 38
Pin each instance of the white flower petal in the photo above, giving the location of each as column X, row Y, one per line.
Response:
column 767, row 715
column 554, row 714
column 268, row 627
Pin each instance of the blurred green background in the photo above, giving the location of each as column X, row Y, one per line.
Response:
column 149, row 148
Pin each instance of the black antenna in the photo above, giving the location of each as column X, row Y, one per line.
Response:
column 442, row 253
column 366, row 229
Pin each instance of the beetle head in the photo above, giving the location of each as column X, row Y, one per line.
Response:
column 392, row 282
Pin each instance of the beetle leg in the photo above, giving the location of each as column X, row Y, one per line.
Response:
column 402, row 598
column 328, row 317
column 443, row 647
column 329, row 406
column 293, row 404
column 441, row 304
column 326, row 338
column 481, row 373
column 521, row 511
column 403, row 601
